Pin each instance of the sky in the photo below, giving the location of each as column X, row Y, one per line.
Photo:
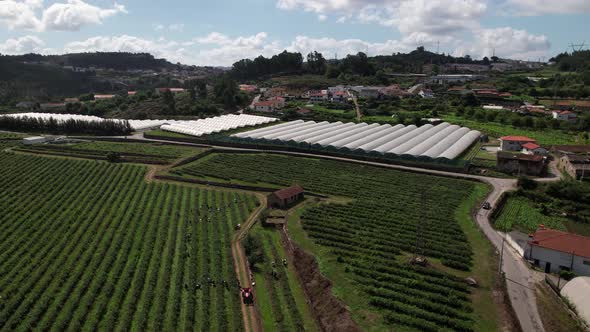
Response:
column 220, row 32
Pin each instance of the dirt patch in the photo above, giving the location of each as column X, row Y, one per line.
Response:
column 330, row 314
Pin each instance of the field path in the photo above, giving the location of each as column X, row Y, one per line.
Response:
column 249, row 313
column 359, row 114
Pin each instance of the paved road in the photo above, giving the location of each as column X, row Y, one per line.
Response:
column 520, row 279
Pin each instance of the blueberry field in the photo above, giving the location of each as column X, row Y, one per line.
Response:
column 88, row 245
column 373, row 233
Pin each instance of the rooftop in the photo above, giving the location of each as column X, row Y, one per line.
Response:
column 289, row 192
column 517, row 139
column 519, row 156
column 562, row 241
column 531, row 146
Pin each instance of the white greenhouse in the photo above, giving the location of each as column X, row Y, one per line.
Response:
column 443, row 141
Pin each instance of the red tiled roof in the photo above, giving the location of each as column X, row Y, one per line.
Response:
column 131, row 93
column 517, row 139
column 531, row 146
column 304, row 111
column 289, row 192
column 264, row 103
column 562, row 241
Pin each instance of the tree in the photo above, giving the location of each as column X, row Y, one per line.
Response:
column 169, row 101
column 193, row 94
column 316, row 63
column 253, row 248
column 332, row 71
column 486, row 61
column 113, row 157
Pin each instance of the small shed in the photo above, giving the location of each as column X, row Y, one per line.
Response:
column 285, row 197
column 34, row 140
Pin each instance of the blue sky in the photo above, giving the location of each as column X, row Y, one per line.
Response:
column 223, row 31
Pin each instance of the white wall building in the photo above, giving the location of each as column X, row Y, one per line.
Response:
column 514, row 143
column 554, row 251
column 564, row 115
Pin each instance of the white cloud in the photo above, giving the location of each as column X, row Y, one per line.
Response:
column 507, row 42
column 322, row 17
column 540, row 7
column 68, row 16
column 428, row 18
column 175, row 27
column 224, row 50
column 330, row 47
column 26, row 44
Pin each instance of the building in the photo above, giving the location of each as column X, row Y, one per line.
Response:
column 279, row 102
column 286, row 197
column 514, row 143
column 173, row 90
column 453, row 78
column 520, row 164
column 34, row 140
column 534, row 149
column 71, row 100
column 248, row 88
column 426, row 93
column 318, row 97
column 103, row 97
column 577, row 166
column 26, row 104
column 339, row 96
column 367, row 92
column 569, row 104
column 264, row 106
column 555, row 251
column 131, row 93
column 570, row 149
column 564, row 115
column 275, row 92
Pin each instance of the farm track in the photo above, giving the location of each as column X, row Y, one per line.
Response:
column 520, row 279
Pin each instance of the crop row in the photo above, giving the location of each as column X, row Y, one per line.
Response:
column 91, row 246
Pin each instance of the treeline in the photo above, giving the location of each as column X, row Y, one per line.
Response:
column 575, row 61
column 112, row 60
column 53, row 126
column 283, row 63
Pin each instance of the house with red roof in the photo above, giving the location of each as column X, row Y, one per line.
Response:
column 514, row 143
column 285, row 197
column 554, row 251
column 534, row 149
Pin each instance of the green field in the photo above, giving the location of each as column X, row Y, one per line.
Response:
column 133, row 152
column 364, row 243
column 88, row 245
column 543, row 137
column 520, row 213
column 8, row 140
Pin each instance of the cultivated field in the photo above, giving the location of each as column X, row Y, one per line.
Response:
column 519, row 213
column 371, row 237
column 88, row 245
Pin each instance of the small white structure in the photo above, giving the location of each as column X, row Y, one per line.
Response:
column 493, row 107
column 534, row 149
column 564, row 115
column 426, row 94
column 34, row 140
column 554, row 250
column 514, row 143
column 578, row 292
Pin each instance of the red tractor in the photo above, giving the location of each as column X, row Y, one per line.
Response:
column 247, row 296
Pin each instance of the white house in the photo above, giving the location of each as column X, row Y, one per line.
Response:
column 339, row 96
column 264, row 106
column 426, row 93
column 564, row 115
column 514, row 143
column 318, row 97
column 534, row 149
column 554, row 251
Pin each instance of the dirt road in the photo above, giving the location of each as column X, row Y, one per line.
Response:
column 250, row 315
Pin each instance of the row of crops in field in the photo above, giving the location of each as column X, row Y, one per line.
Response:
column 520, row 213
column 281, row 300
column 87, row 245
column 371, row 234
column 8, row 140
column 136, row 152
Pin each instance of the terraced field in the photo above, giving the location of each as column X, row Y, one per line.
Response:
column 9, row 140
column 372, row 236
column 88, row 245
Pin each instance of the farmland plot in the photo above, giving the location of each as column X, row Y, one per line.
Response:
column 87, row 245
column 373, row 235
